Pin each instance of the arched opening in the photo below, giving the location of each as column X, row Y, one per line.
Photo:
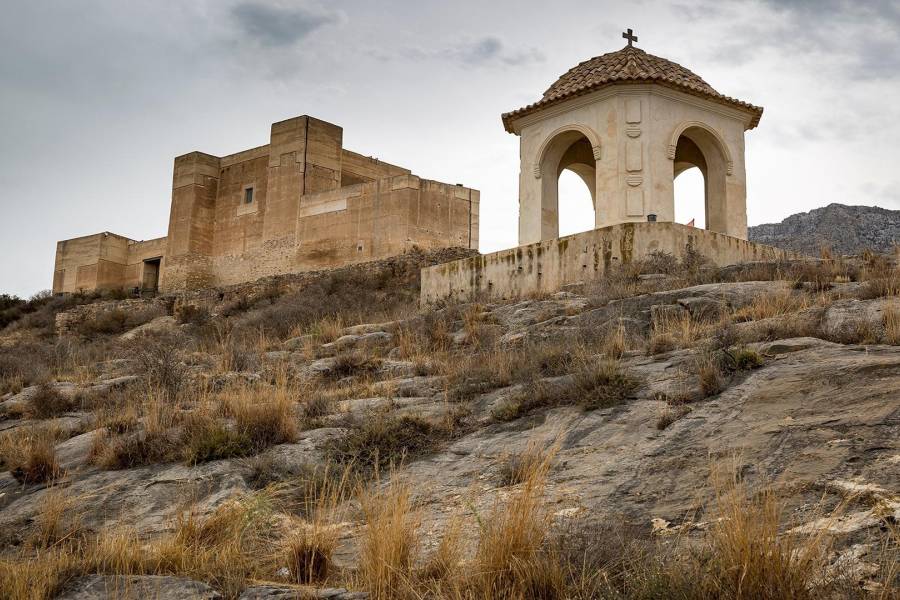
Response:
column 700, row 169
column 567, row 204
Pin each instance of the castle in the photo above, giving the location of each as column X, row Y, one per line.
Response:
column 301, row 202
column 626, row 122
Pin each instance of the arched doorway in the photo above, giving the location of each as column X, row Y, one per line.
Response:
column 700, row 169
column 566, row 156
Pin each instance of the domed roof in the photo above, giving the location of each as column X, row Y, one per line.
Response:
column 628, row 65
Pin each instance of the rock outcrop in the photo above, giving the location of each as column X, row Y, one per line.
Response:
column 838, row 228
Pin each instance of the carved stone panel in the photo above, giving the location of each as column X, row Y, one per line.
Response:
column 633, row 155
column 634, row 203
column 633, row 110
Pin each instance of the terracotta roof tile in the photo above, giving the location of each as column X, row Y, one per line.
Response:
column 628, row 65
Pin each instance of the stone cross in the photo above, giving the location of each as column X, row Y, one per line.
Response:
column 629, row 35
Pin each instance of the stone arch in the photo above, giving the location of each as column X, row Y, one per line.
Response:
column 587, row 132
column 573, row 147
column 673, row 142
column 695, row 144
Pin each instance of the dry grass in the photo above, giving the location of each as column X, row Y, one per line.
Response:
column 750, row 558
column 710, row 374
column 29, row 454
column 777, row 304
column 593, row 385
column 508, row 562
column 389, row 542
column 310, row 545
column 892, row 324
column 670, row 413
column 671, row 332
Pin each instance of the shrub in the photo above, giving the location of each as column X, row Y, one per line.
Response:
column 46, row 402
column 353, row 363
column 191, row 314
column 710, row 374
column 594, row 385
column 383, row 439
column 158, row 360
column 659, row 261
column 602, row 385
column 743, row 359
column 207, row 439
column 137, row 449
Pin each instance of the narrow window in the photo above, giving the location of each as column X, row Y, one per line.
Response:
column 248, row 195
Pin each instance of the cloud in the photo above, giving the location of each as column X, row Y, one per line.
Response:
column 861, row 39
column 484, row 51
column 276, row 25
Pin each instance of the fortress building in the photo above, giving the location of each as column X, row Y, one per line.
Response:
column 301, row 202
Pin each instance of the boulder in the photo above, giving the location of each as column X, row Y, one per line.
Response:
column 137, row 587
column 157, row 325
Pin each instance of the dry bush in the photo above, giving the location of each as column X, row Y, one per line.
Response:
column 517, row 468
column 47, row 402
column 353, row 363
column 389, row 541
column 601, row 385
column 659, row 261
column 814, row 276
column 742, row 359
column 710, row 373
column 379, row 440
column 885, row 285
column 29, row 454
column 593, row 385
column 191, row 314
column 158, row 441
column 158, row 360
column 747, row 556
column 264, row 421
column 24, row 364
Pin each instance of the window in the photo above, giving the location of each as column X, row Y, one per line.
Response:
column 248, row 195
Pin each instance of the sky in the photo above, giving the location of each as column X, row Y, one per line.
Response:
column 97, row 97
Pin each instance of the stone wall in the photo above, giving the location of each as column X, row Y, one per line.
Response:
column 548, row 266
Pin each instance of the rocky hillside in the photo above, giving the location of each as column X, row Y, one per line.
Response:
column 673, row 431
column 844, row 230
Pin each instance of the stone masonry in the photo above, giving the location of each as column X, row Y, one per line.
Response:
column 302, row 202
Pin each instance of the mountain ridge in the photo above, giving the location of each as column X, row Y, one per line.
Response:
column 839, row 228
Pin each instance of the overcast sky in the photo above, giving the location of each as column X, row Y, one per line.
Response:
column 98, row 96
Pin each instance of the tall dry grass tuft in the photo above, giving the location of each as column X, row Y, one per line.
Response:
column 57, row 520
column 30, row 454
column 766, row 306
column 892, row 324
column 309, row 547
column 748, row 556
column 508, row 562
column 390, row 539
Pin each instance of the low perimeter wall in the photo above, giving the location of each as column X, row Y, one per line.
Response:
column 548, row 266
